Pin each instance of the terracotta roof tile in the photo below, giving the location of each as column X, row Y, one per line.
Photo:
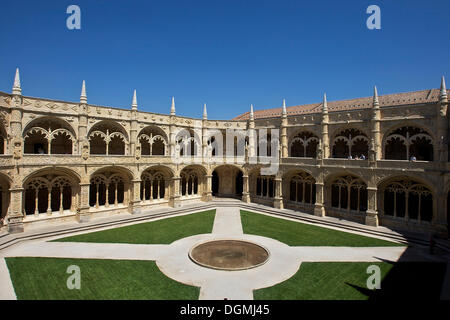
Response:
column 396, row 99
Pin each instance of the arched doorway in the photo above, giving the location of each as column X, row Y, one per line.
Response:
column 227, row 182
column 215, row 183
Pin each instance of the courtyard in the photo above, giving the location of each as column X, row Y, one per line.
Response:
column 322, row 258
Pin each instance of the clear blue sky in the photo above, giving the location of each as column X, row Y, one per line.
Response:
column 227, row 54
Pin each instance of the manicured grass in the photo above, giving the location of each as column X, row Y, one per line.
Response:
column 347, row 281
column 46, row 278
column 295, row 233
column 164, row 231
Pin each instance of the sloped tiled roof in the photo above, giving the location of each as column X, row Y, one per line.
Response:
column 396, row 99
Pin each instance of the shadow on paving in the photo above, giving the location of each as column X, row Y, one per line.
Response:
column 408, row 280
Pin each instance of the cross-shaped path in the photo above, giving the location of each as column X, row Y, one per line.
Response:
column 173, row 260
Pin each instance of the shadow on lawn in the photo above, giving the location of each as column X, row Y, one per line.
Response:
column 409, row 280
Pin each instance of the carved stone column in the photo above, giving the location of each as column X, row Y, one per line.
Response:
column 319, row 206
column 245, row 190
column 135, row 201
column 372, row 211
column 83, row 214
column 175, row 196
column 208, row 190
column 15, row 216
column 278, row 199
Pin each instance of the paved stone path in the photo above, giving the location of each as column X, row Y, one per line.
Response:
column 173, row 260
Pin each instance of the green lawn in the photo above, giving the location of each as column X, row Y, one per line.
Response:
column 347, row 281
column 295, row 233
column 46, row 278
column 164, row 231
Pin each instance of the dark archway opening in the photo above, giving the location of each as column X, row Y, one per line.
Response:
column 215, row 183
column 239, row 184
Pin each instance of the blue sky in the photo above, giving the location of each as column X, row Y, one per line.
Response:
column 227, row 54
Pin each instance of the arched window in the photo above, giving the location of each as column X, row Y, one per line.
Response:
column 152, row 186
column 107, row 137
column 302, row 188
column 49, row 135
column 406, row 142
column 107, row 189
column 153, row 141
column 189, row 182
column 350, row 143
column 47, row 194
column 265, row 186
column 304, row 145
column 349, row 193
column 408, row 199
column 188, row 143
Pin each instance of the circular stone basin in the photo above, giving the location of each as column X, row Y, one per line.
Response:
column 229, row 254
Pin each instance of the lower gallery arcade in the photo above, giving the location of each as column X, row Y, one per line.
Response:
column 58, row 192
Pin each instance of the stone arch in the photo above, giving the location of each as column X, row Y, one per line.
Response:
column 3, row 138
column 229, row 181
column 349, row 142
column 346, row 195
column 110, row 187
column 299, row 188
column 406, row 197
column 155, row 183
column 192, row 181
column 5, row 184
column 108, row 137
column 51, row 190
column 153, row 141
column 49, row 135
column 407, row 140
column 188, row 143
column 303, row 144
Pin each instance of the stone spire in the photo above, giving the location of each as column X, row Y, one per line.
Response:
column 284, row 112
column 376, row 103
column 172, row 108
column 134, row 103
column 205, row 114
column 325, row 104
column 443, row 93
column 83, row 97
column 252, row 116
column 16, row 87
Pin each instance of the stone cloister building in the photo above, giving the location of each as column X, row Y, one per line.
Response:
column 381, row 160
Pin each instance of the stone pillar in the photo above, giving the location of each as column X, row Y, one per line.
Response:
column 175, row 196
column 172, row 137
column 372, row 211
column 133, row 132
column 439, row 221
column 251, row 139
column 208, row 190
column 284, row 139
column 136, row 197
column 245, row 189
column 278, row 199
column 375, row 125
column 319, row 206
column 325, row 138
column 15, row 216
column 83, row 214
